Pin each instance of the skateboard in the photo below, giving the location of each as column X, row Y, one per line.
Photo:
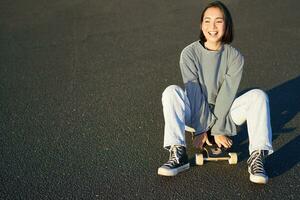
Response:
column 213, row 153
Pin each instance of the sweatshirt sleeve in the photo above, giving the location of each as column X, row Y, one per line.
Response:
column 188, row 67
column 201, row 118
column 227, row 93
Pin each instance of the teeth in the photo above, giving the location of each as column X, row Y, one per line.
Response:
column 213, row 33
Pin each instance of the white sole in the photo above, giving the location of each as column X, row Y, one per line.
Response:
column 172, row 172
column 258, row 179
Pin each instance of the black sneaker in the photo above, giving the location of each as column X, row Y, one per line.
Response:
column 177, row 162
column 256, row 167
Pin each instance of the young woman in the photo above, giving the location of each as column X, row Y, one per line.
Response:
column 211, row 71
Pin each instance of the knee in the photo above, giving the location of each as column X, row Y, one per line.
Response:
column 171, row 91
column 258, row 94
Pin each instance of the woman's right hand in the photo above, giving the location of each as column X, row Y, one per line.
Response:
column 200, row 140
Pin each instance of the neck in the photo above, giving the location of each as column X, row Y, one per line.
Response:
column 213, row 46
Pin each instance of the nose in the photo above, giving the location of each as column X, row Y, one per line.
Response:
column 213, row 25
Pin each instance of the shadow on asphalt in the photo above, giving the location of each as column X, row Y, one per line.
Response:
column 284, row 106
column 284, row 159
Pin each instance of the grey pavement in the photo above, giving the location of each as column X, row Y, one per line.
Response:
column 80, row 98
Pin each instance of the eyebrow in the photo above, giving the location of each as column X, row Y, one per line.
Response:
column 216, row 17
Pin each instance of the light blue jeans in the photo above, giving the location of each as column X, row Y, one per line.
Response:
column 252, row 107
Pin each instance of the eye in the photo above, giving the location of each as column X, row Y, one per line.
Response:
column 206, row 21
column 220, row 21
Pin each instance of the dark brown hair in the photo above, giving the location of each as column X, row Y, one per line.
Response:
column 228, row 33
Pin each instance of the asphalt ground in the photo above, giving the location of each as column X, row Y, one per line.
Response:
column 80, row 98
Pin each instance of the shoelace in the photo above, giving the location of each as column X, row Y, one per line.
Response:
column 173, row 159
column 256, row 163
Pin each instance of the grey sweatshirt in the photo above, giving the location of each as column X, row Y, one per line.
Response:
column 211, row 80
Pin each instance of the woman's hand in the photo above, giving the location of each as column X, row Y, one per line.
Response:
column 222, row 140
column 200, row 140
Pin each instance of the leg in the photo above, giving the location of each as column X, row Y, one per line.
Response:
column 176, row 109
column 176, row 113
column 181, row 108
column 253, row 107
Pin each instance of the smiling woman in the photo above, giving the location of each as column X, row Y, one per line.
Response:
column 212, row 70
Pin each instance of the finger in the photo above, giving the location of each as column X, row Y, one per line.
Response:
column 219, row 144
column 208, row 142
column 202, row 143
column 229, row 142
column 223, row 143
column 198, row 143
column 228, row 145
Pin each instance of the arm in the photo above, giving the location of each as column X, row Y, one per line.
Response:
column 188, row 67
column 227, row 93
column 201, row 115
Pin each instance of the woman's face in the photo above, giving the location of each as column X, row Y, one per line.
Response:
column 213, row 25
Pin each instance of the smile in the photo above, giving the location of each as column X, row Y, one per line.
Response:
column 213, row 33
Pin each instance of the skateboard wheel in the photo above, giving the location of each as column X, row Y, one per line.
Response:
column 233, row 158
column 199, row 159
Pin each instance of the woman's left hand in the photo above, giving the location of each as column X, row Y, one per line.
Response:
column 222, row 140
